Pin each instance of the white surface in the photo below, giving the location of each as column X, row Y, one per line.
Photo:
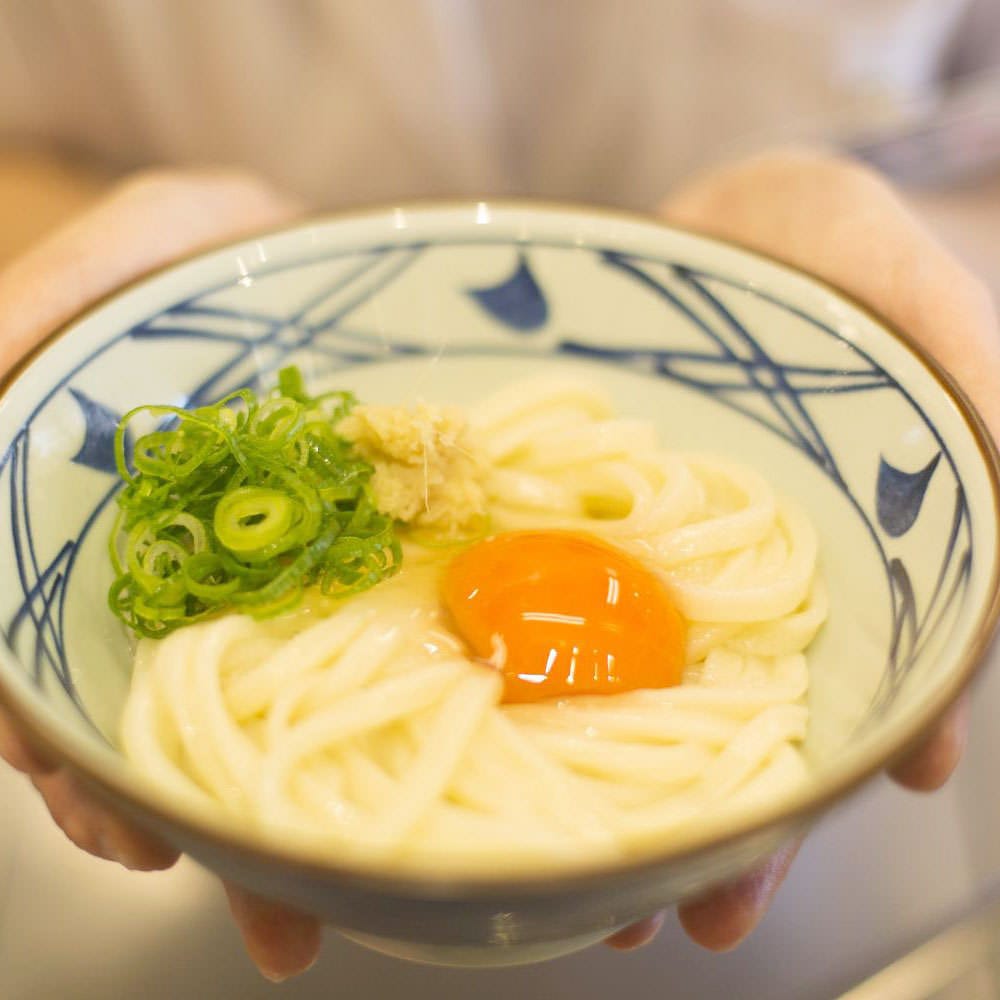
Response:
column 874, row 879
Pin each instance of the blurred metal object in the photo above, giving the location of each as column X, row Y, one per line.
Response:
column 960, row 963
column 948, row 139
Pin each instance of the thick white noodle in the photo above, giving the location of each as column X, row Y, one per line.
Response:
column 371, row 733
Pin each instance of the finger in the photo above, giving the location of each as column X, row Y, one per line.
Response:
column 143, row 224
column 17, row 750
column 95, row 829
column 932, row 763
column 131, row 847
column 636, row 935
column 845, row 224
column 280, row 941
column 722, row 918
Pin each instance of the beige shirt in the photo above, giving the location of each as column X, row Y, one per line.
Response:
column 349, row 101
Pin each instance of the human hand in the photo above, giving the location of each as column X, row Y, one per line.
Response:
column 844, row 224
column 143, row 224
column 184, row 211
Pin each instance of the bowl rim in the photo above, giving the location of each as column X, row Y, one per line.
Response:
column 794, row 812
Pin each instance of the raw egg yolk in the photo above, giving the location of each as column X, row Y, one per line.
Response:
column 561, row 614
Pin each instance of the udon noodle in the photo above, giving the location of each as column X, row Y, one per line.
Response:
column 366, row 728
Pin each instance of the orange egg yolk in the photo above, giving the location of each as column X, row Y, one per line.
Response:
column 563, row 614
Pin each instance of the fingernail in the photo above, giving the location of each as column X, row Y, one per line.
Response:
column 108, row 850
column 279, row 976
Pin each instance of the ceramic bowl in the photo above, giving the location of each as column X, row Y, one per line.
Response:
column 723, row 350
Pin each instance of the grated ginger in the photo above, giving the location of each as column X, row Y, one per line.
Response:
column 427, row 470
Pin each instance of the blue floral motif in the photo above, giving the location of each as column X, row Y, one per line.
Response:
column 900, row 495
column 911, row 629
column 720, row 358
column 100, row 424
column 44, row 588
column 518, row 302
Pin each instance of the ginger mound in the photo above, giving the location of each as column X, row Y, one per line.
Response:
column 427, row 472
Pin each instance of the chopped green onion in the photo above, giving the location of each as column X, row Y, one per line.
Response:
column 243, row 505
column 252, row 520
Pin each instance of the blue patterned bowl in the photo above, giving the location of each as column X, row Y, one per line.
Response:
column 723, row 350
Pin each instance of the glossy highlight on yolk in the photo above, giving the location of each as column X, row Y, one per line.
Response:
column 561, row 614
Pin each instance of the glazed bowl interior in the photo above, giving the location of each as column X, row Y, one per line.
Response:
column 722, row 350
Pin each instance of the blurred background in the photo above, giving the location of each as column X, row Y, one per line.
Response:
column 345, row 102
